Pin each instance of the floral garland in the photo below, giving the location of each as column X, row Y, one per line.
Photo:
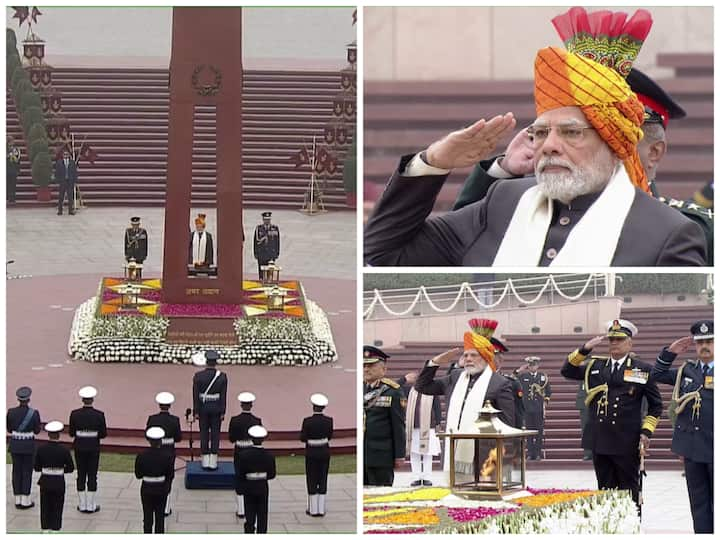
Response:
column 544, row 511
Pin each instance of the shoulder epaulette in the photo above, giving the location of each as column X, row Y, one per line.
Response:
column 390, row 383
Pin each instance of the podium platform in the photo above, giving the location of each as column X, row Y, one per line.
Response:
column 198, row 478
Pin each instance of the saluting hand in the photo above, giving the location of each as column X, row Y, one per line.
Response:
column 446, row 357
column 681, row 345
column 518, row 159
column 467, row 146
column 594, row 342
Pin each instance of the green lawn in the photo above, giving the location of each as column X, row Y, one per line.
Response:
column 285, row 464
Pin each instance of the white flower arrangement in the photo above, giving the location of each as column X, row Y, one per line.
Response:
column 137, row 338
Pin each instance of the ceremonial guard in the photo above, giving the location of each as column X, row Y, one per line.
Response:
column 384, row 421
column 209, row 402
column 536, row 391
column 266, row 245
column 173, row 434
column 693, row 431
column 136, row 242
column 12, row 169
column 23, row 423
column 238, row 435
column 66, row 175
column 53, row 462
column 155, row 467
column 316, row 432
column 616, row 433
column 87, row 426
column 500, row 350
column 256, row 467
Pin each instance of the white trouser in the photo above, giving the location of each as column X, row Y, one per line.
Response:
column 421, row 465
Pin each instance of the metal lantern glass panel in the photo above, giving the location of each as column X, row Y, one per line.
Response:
column 133, row 271
column 276, row 299
column 270, row 273
column 487, row 463
column 129, row 296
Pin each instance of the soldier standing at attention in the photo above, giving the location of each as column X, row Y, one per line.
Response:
column 136, row 242
column 693, row 431
column 53, row 462
column 316, row 432
column 238, row 435
column 384, row 421
column 536, row 393
column 209, row 402
column 88, row 426
column 616, row 433
column 23, row 423
column 266, row 245
column 155, row 467
column 173, row 434
column 257, row 466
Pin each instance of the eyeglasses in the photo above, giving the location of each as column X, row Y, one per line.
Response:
column 571, row 133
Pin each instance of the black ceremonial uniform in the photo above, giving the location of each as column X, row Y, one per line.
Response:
column 155, row 466
column 256, row 467
column 536, row 388
column 23, row 423
column 517, row 391
column 384, row 431
column 238, row 435
column 266, row 244
column 88, row 426
column 693, row 432
column 53, row 461
column 316, row 432
column 136, row 244
column 173, row 433
column 614, row 415
column 209, row 401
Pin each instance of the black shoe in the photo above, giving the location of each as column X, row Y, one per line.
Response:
column 59, row 212
column 427, row 483
column 416, row 483
column 24, row 507
column 97, row 509
column 308, row 512
column 168, row 513
column 72, row 213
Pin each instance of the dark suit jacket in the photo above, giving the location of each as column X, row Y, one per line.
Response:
column 400, row 232
column 63, row 174
column 499, row 390
column 209, row 251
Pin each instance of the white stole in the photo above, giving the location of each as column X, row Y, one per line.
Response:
column 465, row 424
column 199, row 247
column 592, row 242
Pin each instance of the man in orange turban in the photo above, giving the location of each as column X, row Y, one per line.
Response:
column 586, row 206
column 467, row 390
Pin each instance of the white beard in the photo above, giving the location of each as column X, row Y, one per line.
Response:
column 473, row 370
column 567, row 186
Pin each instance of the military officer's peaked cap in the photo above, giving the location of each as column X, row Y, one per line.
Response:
column 87, row 392
column 319, row 400
column 621, row 328
column 155, row 433
column 372, row 355
column 246, row 397
column 135, row 219
column 703, row 330
column 164, row 398
column 211, row 357
column 661, row 106
column 257, row 432
column 266, row 214
column 532, row 360
column 54, row 427
column 500, row 347
column 23, row 393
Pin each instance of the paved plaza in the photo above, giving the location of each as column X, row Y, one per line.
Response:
column 91, row 242
column 199, row 511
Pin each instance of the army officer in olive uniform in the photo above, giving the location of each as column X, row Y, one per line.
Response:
column 615, row 387
column 693, row 432
column 384, row 420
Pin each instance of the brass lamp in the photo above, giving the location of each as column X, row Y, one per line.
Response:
column 498, row 457
column 276, row 299
column 133, row 270
column 129, row 295
column 270, row 273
